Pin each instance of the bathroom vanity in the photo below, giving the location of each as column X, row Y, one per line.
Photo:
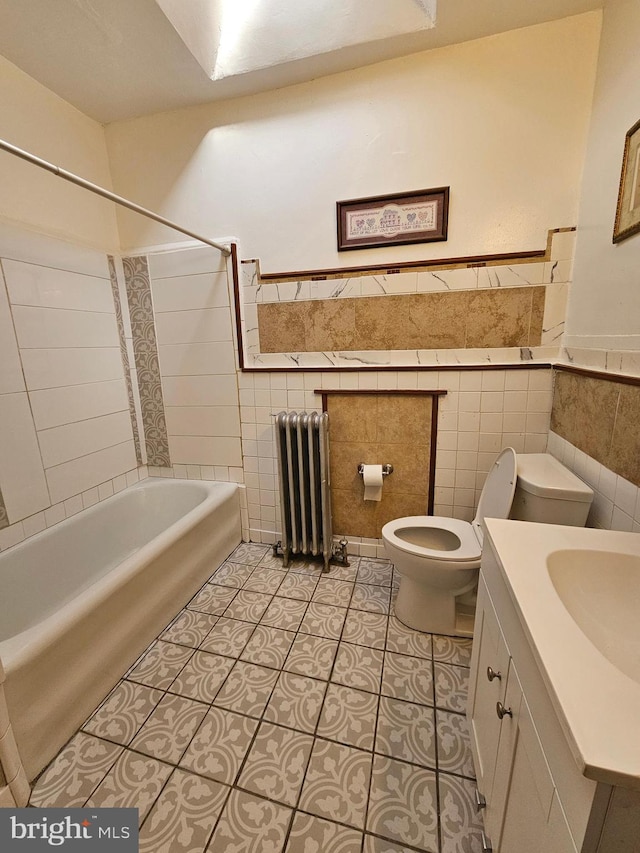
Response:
column 554, row 693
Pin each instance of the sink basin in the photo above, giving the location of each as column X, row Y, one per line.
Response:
column 601, row 592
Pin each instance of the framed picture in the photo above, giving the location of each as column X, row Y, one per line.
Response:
column 628, row 209
column 415, row 217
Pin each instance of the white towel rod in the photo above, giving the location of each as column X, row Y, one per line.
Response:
column 98, row 190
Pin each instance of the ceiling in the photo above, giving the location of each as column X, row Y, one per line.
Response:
column 118, row 59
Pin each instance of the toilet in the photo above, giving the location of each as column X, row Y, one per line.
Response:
column 438, row 558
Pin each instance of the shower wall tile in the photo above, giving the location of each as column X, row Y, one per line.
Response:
column 22, row 476
column 66, row 441
column 205, row 390
column 11, row 377
column 186, row 262
column 136, row 274
column 125, row 335
column 197, row 359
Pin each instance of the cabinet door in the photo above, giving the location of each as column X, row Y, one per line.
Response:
column 524, row 815
column 488, row 680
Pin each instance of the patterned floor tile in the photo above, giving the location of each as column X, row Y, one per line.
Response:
column 312, row 656
column 403, row 804
column 379, row 845
column 231, row 574
column 365, row 629
column 249, row 554
column 406, row 641
column 333, row 592
column 227, row 637
column 213, row 599
column 306, row 567
column 454, row 749
column 323, row 620
column 460, row 822
column 167, row 732
column 269, row 561
column 220, row 745
column 247, row 605
column 337, row 783
column 298, row 586
column 250, row 825
column 296, row 702
column 374, row 599
column 407, row 678
column 276, row 763
column 359, row 667
column 247, row 689
column 268, row 646
column 349, row 716
column 75, row 773
column 183, row 816
column 456, row 650
column 134, row 782
column 189, row 628
column 284, row 613
column 264, row 580
column 315, row 835
column 123, row 712
column 406, row 731
column 345, row 573
column 378, row 572
column 202, row 676
column 452, row 686
column 160, row 664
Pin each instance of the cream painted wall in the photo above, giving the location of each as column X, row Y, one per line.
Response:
column 35, row 119
column 604, row 309
column 502, row 120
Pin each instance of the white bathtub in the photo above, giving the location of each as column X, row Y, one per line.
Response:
column 81, row 601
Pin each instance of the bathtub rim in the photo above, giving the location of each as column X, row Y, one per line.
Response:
column 17, row 650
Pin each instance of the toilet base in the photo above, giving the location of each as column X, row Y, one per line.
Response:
column 431, row 610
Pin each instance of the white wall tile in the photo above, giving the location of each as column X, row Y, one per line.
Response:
column 203, row 420
column 22, row 479
column 184, row 262
column 184, row 327
column 78, row 475
column 56, row 406
column 11, row 378
column 189, row 292
column 201, row 390
column 45, row 287
column 196, row 359
column 23, row 245
column 70, row 441
column 205, row 450
column 38, row 328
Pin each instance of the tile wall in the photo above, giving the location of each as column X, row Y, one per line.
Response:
column 66, row 438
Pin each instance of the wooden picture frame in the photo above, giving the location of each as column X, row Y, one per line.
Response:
column 627, row 220
column 420, row 216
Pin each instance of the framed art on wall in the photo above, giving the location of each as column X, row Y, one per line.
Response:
column 628, row 208
column 420, row 216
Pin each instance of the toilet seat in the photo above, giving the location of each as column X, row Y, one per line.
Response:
column 468, row 551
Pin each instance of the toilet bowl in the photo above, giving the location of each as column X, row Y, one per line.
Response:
column 438, row 558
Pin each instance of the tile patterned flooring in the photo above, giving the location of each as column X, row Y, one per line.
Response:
column 284, row 712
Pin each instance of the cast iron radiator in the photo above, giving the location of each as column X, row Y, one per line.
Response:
column 303, row 471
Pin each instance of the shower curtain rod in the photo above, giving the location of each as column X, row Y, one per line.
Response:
column 98, row 190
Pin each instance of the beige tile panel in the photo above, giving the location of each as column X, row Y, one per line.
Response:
column 497, row 317
column 601, row 418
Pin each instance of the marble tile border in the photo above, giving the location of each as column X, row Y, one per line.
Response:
column 145, row 349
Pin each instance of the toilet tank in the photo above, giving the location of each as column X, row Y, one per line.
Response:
column 548, row 492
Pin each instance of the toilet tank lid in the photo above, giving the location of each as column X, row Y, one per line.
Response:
column 541, row 474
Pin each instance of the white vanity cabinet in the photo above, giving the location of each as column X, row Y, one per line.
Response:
column 534, row 796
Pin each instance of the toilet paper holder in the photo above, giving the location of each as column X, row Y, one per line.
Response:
column 386, row 469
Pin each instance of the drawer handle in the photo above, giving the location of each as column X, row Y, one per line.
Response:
column 486, row 844
column 491, row 674
column 481, row 802
column 501, row 711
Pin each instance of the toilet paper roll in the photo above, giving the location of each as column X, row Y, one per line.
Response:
column 373, row 479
